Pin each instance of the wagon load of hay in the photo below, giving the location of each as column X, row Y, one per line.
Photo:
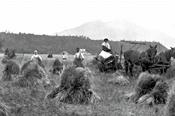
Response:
column 31, row 74
column 150, row 88
column 11, row 68
column 57, row 67
column 106, row 62
column 74, row 88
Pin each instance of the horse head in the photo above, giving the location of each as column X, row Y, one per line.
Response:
column 172, row 52
column 151, row 51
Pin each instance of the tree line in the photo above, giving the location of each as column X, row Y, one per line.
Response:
column 27, row 43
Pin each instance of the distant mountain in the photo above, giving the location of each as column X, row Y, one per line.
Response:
column 117, row 30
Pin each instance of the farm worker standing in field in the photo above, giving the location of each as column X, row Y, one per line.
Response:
column 64, row 56
column 64, row 59
column 36, row 56
column 79, row 54
column 78, row 58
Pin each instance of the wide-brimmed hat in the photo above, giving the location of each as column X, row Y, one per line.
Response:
column 106, row 39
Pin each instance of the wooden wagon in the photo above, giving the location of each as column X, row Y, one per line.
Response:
column 159, row 68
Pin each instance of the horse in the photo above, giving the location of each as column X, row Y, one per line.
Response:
column 164, row 58
column 143, row 59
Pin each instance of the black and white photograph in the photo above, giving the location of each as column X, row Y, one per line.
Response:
column 87, row 58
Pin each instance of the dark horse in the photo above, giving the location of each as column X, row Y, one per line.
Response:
column 144, row 59
column 164, row 58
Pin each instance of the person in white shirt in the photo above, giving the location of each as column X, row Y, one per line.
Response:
column 64, row 56
column 106, row 52
column 36, row 56
column 106, row 46
column 78, row 58
column 79, row 54
column 64, row 59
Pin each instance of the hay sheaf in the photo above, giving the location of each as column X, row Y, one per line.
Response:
column 10, row 53
column 118, row 78
column 151, row 86
column 4, row 109
column 144, row 85
column 94, row 61
column 78, row 62
column 170, row 106
column 11, row 68
column 74, row 87
column 57, row 66
column 31, row 74
column 32, row 69
column 160, row 92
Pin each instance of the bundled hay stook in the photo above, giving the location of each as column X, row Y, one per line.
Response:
column 31, row 73
column 4, row 109
column 10, row 53
column 11, row 68
column 119, row 78
column 57, row 67
column 78, row 62
column 74, row 88
column 151, row 88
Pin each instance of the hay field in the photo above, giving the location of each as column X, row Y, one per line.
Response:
column 32, row 102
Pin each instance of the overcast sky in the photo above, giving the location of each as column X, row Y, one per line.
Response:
column 51, row 16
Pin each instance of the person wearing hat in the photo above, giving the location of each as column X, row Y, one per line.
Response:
column 106, row 46
column 35, row 56
column 106, row 52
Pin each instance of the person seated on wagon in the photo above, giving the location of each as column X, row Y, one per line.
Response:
column 106, row 46
column 106, row 52
column 35, row 56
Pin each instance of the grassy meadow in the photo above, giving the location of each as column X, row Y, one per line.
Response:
column 32, row 102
